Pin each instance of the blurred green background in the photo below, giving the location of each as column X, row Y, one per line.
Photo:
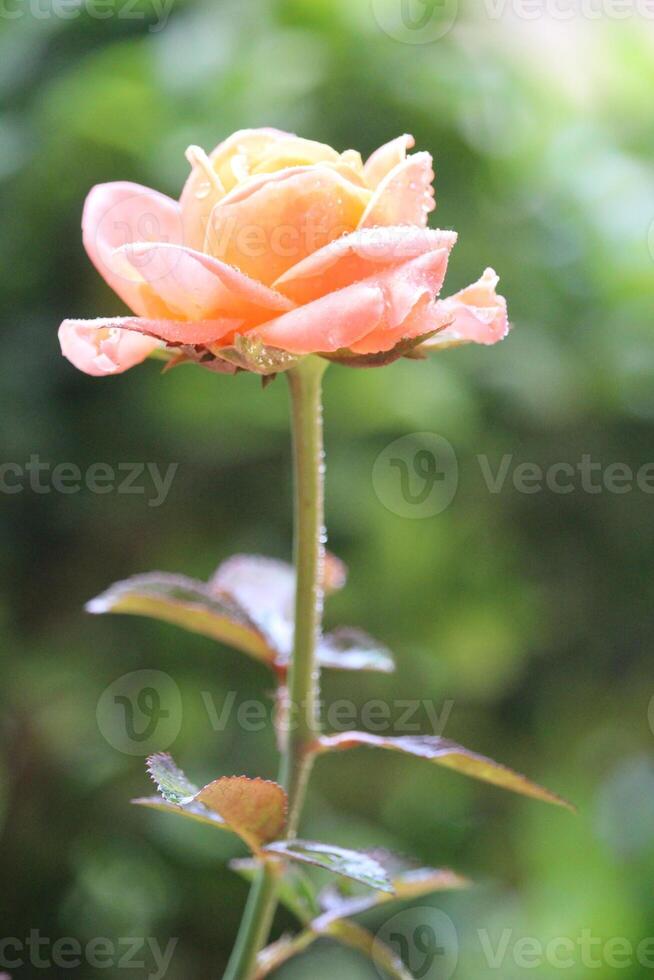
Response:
column 533, row 613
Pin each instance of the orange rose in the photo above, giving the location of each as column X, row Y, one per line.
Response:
column 278, row 245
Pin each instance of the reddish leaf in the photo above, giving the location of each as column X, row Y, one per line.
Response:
column 356, row 937
column 347, row 934
column 188, row 603
column 274, row 956
column 255, row 809
column 265, row 589
column 443, row 752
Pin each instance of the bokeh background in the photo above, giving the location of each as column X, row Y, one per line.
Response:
column 532, row 613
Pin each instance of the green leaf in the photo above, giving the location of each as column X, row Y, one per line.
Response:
column 265, row 589
column 171, row 782
column 274, row 956
column 254, row 809
column 295, row 890
column 250, row 354
column 188, row 603
column 356, row 937
column 194, row 811
column 248, row 604
column 408, row 880
column 352, row 649
column 443, row 752
column 356, row 865
column 347, row 934
column 426, row 881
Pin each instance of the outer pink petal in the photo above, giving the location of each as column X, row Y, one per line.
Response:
column 172, row 332
column 478, row 314
column 405, row 196
column 184, row 332
column 327, row 324
column 354, row 257
column 409, row 290
column 382, row 161
column 122, row 213
column 101, row 347
column 367, row 316
column 196, row 286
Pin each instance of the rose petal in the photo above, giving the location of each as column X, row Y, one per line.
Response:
column 383, row 160
column 478, row 313
column 353, row 257
column 213, row 176
column 293, row 152
column 202, row 190
column 101, row 347
column 185, row 332
column 198, row 287
column 405, row 196
column 351, row 317
column 273, row 221
column 121, row 213
column 409, row 291
column 334, row 321
column 235, row 158
column 174, row 332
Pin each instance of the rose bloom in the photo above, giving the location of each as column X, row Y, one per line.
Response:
column 286, row 245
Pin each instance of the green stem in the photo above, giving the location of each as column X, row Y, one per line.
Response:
column 255, row 926
column 305, row 384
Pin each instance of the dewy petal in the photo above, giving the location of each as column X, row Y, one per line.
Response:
column 478, row 314
column 102, row 347
column 202, row 190
column 173, row 332
column 273, row 221
column 367, row 317
column 405, row 196
column 122, row 213
column 354, row 257
column 409, row 291
column 198, row 287
column 386, row 158
column 334, row 321
column 294, row 152
column 214, row 175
